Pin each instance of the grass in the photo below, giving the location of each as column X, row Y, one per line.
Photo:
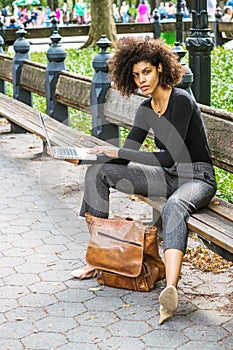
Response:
column 80, row 61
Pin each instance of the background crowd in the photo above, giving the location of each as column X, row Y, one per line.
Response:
column 37, row 16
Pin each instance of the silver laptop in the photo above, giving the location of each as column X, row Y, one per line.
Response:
column 66, row 152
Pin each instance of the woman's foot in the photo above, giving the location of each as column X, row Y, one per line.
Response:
column 168, row 303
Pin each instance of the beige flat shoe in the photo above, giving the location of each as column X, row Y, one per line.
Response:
column 168, row 303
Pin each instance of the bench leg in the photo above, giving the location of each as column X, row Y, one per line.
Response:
column 218, row 250
column 156, row 220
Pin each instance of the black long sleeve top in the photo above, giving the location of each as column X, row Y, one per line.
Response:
column 179, row 133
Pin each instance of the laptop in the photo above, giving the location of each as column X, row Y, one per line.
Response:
column 66, row 152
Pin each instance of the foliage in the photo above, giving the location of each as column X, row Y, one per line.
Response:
column 221, row 79
column 77, row 61
column 225, row 184
column 201, row 258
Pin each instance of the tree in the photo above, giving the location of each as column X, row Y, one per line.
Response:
column 102, row 22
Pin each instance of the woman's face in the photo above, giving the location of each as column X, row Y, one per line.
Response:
column 146, row 76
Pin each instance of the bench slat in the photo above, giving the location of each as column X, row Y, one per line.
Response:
column 210, row 234
column 26, row 117
column 216, row 222
column 222, row 208
column 201, row 224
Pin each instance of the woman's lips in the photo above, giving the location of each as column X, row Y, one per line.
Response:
column 144, row 88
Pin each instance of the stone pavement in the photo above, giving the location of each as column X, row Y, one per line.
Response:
column 42, row 240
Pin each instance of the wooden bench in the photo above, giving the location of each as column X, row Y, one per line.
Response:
column 213, row 224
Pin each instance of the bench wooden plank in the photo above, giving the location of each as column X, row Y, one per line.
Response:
column 222, row 208
column 211, row 235
column 217, row 230
column 32, row 77
column 69, row 86
column 6, row 67
column 216, row 222
column 26, row 117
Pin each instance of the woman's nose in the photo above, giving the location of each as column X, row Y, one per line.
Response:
column 141, row 78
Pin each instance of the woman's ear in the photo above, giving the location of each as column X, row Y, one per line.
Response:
column 160, row 68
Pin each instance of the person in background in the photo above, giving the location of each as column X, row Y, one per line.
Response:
column 229, row 3
column 34, row 16
column 23, row 18
column 58, row 15
column 47, row 17
column 162, row 11
column 40, row 16
column 124, row 12
column 115, row 11
column 65, row 13
column 227, row 17
column 149, row 8
column 143, row 13
column 1, row 17
column 6, row 14
column 179, row 168
column 211, row 8
column 16, row 13
column 227, row 14
column 171, row 10
column 13, row 23
column 185, row 9
column 80, row 12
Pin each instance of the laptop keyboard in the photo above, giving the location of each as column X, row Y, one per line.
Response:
column 63, row 151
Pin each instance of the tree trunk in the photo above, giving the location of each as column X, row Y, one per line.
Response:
column 102, row 22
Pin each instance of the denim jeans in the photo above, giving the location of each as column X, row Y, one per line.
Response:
column 187, row 187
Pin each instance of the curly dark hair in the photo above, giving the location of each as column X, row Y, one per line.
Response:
column 132, row 50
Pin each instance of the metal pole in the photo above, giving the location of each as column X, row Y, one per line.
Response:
column 21, row 47
column 200, row 44
column 54, row 23
column 99, row 87
column 56, row 56
column 2, row 33
column 217, row 36
column 2, row 82
column 188, row 76
column 179, row 23
column 157, row 29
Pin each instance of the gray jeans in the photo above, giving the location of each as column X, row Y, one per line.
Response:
column 187, row 187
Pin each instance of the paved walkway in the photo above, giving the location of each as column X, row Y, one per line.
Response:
column 42, row 240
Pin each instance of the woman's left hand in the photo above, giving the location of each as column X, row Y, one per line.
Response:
column 109, row 151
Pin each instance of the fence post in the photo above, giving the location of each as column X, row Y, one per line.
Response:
column 217, row 36
column 2, row 82
column 54, row 23
column 179, row 23
column 21, row 47
column 200, row 44
column 157, row 29
column 56, row 56
column 2, row 34
column 188, row 76
column 99, row 87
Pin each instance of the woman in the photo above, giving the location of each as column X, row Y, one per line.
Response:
column 180, row 169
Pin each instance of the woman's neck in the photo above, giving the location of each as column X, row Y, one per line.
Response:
column 160, row 99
